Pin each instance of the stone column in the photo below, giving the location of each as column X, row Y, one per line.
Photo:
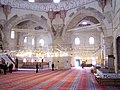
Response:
column 17, row 38
column 56, row 48
column 6, row 38
column 109, row 53
column 108, row 45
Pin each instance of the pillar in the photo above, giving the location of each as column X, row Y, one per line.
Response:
column 108, row 45
column 109, row 62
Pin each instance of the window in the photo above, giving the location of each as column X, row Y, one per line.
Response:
column 85, row 23
column 25, row 40
column 56, row 1
column 91, row 40
column 13, row 34
column 31, row 0
column 24, row 60
column 41, row 41
column 93, row 61
column 77, row 41
column 33, row 41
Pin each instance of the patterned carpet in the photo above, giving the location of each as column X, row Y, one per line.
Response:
column 73, row 79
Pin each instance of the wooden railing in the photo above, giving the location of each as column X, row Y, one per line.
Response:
column 33, row 64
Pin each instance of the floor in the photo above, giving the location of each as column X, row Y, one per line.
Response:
column 46, row 79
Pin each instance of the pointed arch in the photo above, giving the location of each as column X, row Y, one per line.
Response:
column 11, row 23
column 83, row 13
column 16, row 20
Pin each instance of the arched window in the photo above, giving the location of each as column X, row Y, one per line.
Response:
column 41, row 41
column 77, row 41
column 25, row 40
column 31, row 0
column 91, row 40
column 12, row 34
column 24, row 60
column 33, row 41
column 56, row 1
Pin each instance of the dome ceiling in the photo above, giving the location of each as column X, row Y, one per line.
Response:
column 63, row 5
column 44, row 1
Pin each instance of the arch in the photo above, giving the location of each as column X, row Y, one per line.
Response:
column 16, row 20
column 11, row 23
column 83, row 13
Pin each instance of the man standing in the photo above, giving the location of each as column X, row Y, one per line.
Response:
column 52, row 66
column 10, row 68
column 4, row 68
column 37, row 68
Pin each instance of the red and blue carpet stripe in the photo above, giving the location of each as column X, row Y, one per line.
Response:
column 73, row 79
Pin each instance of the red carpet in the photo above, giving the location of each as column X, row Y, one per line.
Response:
column 74, row 79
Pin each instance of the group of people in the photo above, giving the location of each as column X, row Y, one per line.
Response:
column 6, row 67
